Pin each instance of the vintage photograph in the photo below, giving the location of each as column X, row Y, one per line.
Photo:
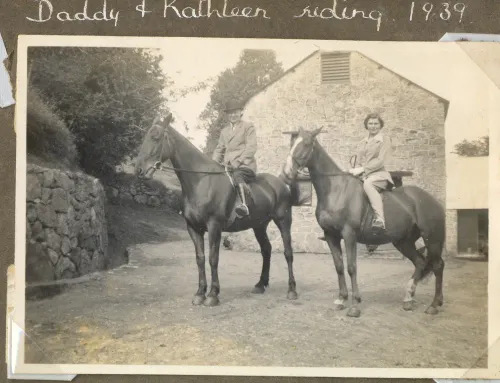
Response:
column 315, row 208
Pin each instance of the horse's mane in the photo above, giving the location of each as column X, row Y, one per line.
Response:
column 330, row 161
column 192, row 147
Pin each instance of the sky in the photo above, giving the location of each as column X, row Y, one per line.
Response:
column 443, row 68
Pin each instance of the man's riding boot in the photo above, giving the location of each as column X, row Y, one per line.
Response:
column 378, row 223
column 242, row 209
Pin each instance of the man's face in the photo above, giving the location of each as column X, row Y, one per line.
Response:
column 234, row 116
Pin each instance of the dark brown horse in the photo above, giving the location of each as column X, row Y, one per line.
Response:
column 344, row 212
column 209, row 204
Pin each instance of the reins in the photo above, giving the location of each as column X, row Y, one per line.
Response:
column 194, row 171
column 158, row 165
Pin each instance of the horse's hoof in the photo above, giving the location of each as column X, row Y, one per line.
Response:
column 211, row 301
column 198, row 300
column 354, row 312
column 409, row 306
column 431, row 310
column 258, row 290
column 292, row 295
column 339, row 305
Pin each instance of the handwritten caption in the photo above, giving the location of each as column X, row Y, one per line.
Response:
column 223, row 9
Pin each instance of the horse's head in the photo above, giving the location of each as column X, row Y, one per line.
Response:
column 155, row 148
column 300, row 154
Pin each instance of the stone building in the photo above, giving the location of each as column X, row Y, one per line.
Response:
column 337, row 90
column 467, row 206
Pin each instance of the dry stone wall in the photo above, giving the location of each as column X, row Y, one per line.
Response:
column 451, row 231
column 66, row 233
column 138, row 192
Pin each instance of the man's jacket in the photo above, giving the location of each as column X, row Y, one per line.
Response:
column 237, row 146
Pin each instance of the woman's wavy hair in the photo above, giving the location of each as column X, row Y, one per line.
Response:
column 373, row 115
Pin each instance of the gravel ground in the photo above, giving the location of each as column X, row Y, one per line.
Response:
column 141, row 313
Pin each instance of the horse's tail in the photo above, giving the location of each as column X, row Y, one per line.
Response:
column 430, row 217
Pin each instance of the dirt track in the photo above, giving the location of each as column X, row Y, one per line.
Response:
column 142, row 314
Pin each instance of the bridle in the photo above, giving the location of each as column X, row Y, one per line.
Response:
column 308, row 157
column 158, row 165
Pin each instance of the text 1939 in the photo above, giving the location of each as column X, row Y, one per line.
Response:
column 445, row 11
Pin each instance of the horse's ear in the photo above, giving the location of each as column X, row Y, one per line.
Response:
column 301, row 131
column 169, row 118
column 317, row 131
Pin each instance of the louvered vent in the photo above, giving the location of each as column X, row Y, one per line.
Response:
column 335, row 68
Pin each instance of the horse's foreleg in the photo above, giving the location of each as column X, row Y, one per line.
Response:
column 265, row 250
column 285, row 227
column 351, row 249
column 199, row 245
column 214, row 238
column 333, row 240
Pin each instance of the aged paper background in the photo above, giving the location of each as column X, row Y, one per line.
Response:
column 482, row 20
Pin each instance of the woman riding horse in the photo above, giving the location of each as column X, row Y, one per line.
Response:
column 373, row 153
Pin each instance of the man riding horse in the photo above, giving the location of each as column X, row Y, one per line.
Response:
column 236, row 150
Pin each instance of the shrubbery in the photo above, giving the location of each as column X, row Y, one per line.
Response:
column 107, row 97
column 254, row 70
column 476, row 148
column 48, row 137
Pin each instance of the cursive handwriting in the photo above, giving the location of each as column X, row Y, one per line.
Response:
column 336, row 12
column 205, row 9
column 46, row 11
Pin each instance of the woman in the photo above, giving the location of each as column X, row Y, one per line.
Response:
column 374, row 152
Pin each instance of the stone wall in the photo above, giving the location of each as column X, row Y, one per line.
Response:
column 131, row 191
column 414, row 119
column 66, row 233
column 452, row 231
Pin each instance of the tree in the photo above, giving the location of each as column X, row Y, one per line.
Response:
column 254, row 70
column 477, row 148
column 107, row 97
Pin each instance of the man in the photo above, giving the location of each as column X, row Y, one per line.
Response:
column 236, row 150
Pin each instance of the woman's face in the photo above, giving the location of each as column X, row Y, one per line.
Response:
column 373, row 126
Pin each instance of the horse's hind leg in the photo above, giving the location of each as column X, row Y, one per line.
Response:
column 265, row 250
column 285, row 226
column 434, row 251
column 408, row 249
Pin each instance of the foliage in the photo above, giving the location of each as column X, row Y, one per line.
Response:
column 47, row 136
column 254, row 70
column 106, row 96
column 477, row 148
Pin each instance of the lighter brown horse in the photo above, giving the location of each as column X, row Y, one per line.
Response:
column 209, row 204
column 344, row 212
